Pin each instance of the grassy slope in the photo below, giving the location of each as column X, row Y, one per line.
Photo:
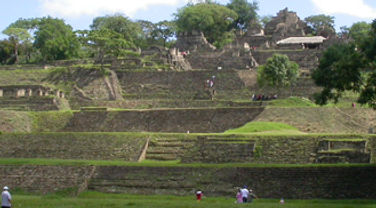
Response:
column 252, row 127
column 96, row 200
column 22, row 77
column 12, row 121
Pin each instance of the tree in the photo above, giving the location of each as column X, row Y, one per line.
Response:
column 359, row 31
column 17, row 36
column 212, row 19
column 6, row 52
column 247, row 13
column 348, row 67
column 321, row 24
column 147, row 29
column 105, row 43
column 55, row 39
column 129, row 31
column 19, row 33
column 338, row 72
column 163, row 31
column 278, row 71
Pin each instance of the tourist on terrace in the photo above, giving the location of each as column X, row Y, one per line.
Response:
column 239, row 198
column 6, row 198
column 199, row 195
column 244, row 191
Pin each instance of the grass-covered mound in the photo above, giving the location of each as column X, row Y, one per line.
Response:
column 96, row 200
column 253, row 127
column 292, row 102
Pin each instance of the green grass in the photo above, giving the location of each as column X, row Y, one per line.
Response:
column 151, row 163
column 252, row 127
column 99, row 200
column 292, row 102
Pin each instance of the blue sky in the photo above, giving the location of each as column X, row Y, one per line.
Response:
column 80, row 13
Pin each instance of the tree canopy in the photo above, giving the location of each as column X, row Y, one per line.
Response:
column 246, row 11
column 212, row 19
column 278, row 71
column 129, row 31
column 348, row 67
column 321, row 24
column 359, row 31
column 55, row 39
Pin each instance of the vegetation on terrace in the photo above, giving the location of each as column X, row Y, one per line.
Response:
column 263, row 127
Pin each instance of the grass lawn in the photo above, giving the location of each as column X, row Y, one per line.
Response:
column 99, row 200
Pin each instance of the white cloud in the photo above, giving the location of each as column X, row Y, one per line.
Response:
column 356, row 8
column 77, row 8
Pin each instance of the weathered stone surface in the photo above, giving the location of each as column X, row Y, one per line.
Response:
column 163, row 120
column 301, row 183
column 43, row 179
column 285, row 24
column 98, row 146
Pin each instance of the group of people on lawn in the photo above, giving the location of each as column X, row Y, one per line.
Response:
column 244, row 195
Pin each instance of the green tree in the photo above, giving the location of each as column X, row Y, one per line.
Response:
column 212, row 19
column 147, row 29
column 321, row 24
column 348, row 67
column 17, row 36
column 19, row 33
column 129, row 31
column 105, row 43
column 6, row 52
column 246, row 11
column 337, row 72
column 55, row 39
column 164, row 30
column 359, row 32
column 278, row 71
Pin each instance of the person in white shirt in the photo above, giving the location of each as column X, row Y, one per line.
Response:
column 244, row 191
column 6, row 198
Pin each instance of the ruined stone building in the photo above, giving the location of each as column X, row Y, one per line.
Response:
column 286, row 33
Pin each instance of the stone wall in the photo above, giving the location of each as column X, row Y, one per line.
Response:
column 29, row 103
column 229, row 85
column 163, row 120
column 293, row 149
column 295, row 183
column 307, row 59
column 43, row 179
column 87, row 146
column 291, row 183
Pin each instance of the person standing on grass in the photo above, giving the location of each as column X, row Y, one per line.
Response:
column 6, row 198
column 245, row 193
column 199, row 195
column 239, row 198
column 251, row 196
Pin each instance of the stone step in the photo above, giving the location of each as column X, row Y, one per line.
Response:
column 162, row 150
column 162, row 157
column 176, row 140
column 166, row 144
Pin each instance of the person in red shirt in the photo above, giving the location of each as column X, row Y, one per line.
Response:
column 199, row 195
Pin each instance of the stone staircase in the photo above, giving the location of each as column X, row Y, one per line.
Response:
column 343, row 151
column 167, row 149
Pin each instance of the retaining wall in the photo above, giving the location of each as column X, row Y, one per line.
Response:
column 86, row 146
column 169, row 120
column 297, row 183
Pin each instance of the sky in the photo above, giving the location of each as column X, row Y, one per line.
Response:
column 80, row 13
